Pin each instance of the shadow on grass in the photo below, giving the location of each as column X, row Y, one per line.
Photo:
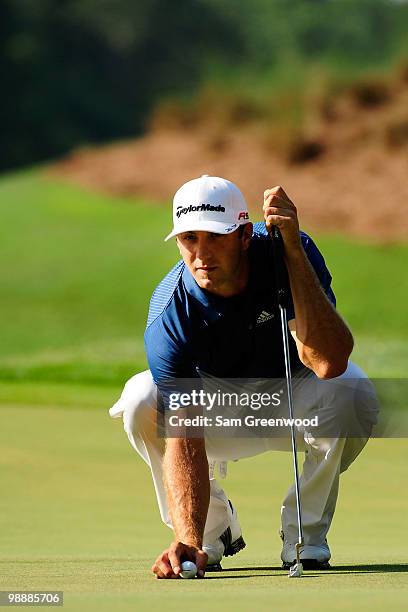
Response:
column 213, row 576
column 381, row 568
column 222, row 575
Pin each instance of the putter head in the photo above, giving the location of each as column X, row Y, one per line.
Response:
column 296, row 570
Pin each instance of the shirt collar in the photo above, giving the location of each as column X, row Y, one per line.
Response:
column 212, row 307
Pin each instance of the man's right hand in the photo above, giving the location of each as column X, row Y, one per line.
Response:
column 168, row 564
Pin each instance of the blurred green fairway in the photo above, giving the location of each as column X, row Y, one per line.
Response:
column 77, row 509
column 79, row 268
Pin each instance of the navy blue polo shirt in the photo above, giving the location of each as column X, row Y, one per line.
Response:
column 191, row 332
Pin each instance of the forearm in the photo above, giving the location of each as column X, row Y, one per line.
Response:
column 324, row 340
column 186, row 479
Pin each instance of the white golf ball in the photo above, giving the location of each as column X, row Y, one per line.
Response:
column 188, row 569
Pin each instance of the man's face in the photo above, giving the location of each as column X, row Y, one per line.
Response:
column 218, row 262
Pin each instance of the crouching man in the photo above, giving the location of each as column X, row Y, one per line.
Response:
column 216, row 313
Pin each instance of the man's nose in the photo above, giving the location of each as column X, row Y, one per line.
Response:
column 203, row 251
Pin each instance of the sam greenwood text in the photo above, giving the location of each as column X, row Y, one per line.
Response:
column 249, row 420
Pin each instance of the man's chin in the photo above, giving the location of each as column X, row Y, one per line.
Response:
column 205, row 281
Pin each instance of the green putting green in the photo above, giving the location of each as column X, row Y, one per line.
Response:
column 78, row 514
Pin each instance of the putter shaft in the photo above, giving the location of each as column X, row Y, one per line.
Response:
column 292, row 428
column 282, row 292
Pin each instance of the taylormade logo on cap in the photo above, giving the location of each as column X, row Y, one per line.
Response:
column 209, row 204
column 192, row 208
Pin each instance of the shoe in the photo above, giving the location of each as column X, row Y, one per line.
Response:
column 314, row 557
column 228, row 544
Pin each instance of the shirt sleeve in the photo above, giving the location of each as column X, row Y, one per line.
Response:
column 319, row 265
column 167, row 352
column 170, row 362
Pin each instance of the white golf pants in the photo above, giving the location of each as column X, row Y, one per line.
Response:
column 325, row 458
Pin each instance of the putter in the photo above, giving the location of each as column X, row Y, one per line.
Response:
column 282, row 282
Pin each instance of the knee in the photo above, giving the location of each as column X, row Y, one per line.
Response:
column 353, row 371
column 348, row 406
column 358, row 392
column 137, row 401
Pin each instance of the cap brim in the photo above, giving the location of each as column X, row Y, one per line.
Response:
column 215, row 227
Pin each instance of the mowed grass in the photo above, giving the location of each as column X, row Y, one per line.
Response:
column 79, row 268
column 77, row 508
column 78, row 514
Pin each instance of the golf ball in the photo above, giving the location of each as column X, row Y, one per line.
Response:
column 188, row 569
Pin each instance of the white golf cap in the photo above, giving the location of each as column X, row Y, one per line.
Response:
column 209, row 204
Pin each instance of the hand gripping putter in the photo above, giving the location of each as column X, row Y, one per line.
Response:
column 282, row 285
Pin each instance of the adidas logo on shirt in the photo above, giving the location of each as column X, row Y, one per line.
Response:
column 264, row 316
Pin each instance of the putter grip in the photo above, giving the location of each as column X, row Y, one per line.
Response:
column 279, row 266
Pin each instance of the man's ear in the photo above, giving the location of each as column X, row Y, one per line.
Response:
column 178, row 244
column 247, row 235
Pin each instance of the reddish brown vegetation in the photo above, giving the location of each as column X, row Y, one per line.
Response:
column 346, row 168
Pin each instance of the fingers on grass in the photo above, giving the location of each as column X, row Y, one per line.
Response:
column 174, row 559
column 162, row 567
column 201, row 562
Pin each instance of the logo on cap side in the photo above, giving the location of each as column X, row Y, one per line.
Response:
column 201, row 207
column 243, row 215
